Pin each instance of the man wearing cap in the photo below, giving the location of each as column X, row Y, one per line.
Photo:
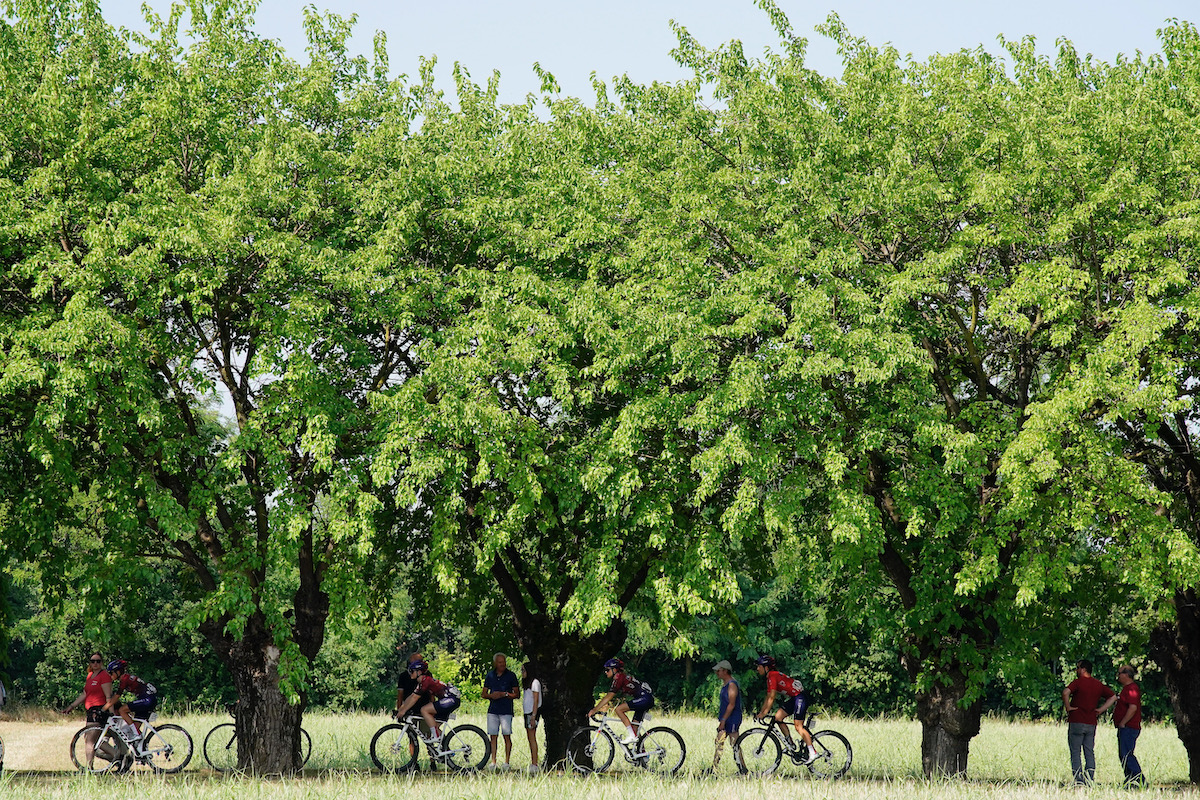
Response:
column 729, row 713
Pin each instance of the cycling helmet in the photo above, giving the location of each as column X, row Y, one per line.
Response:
column 116, row 664
column 614, row 663
column 765, row 661
column 417, row 665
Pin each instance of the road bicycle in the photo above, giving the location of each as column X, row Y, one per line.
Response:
column 592, row 748
column 221, row 750
column 166, row 749
column 760, row 750
column 397, row 746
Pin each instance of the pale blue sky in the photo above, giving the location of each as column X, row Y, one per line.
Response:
column 572, row 39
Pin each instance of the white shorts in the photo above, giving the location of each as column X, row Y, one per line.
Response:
column 499, row 723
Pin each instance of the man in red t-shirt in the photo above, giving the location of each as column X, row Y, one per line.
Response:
column 1127, row 716
column 1082, row 699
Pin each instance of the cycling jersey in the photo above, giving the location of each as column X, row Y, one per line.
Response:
column 431, row 687
column 135, row 685
column 778, row 682
column 629, row 685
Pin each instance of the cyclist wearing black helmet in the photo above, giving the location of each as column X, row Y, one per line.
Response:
column 145, row 695
column 793, row 701
column 435, row 700
column 641, row 698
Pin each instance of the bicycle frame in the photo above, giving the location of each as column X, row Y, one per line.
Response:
column 631, row 756
column 124, row 749
column 432, row 744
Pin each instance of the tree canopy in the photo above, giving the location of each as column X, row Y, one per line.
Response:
column 919, row 337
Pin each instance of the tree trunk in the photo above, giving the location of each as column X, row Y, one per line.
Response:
column 947, row 727
column 1175, row 648
column 568, row 667
column 267, row 726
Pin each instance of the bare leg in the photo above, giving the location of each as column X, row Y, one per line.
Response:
column 90, row 738
column 427, row 714
column 622, row 712
column 507, row 749
column 780, row 718
column 802, row 729
column 533, row 751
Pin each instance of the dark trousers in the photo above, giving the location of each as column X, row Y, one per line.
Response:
column 1126, row 741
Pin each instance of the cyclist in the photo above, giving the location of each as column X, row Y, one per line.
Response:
column 436, row 699
column 641, row 698
column 794, row 702
column 145, row 695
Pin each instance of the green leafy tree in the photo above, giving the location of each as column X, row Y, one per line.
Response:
column 189, row 339
column 896, row 270
column 1130, row 391
column 542, row 436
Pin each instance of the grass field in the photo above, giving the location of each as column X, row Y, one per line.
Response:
column 1008, row 760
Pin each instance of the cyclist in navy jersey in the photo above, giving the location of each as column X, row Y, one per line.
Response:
column 641, row 698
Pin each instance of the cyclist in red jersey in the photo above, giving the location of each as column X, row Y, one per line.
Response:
column 641, row 698
column 793, row 702
column 437, row 700
column 145, row 695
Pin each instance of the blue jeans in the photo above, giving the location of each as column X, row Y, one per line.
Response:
column 1082, row 737
column 1126, row 741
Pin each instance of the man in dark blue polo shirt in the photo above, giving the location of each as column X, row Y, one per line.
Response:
column 500, row 686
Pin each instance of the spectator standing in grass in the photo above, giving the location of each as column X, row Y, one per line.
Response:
column 1127, row 716
column 531, row 705
column 406, row 684
column 1082, row 699
column 729, row 711
column 97, row 693
column 500, row 686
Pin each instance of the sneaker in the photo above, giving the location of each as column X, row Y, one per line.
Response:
column 533, row 769
column 505, row 767
column 491, row 767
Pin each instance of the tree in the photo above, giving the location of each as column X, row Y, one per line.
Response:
column 190, row 340
column 542, row 436
column 898, row 269
column 1131, row 391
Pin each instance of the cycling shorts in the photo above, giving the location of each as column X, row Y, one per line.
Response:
column 442, row 709
column 796, row 706
column 640, row 705
column 143, row 707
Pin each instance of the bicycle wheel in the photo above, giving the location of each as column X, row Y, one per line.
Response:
column 661, row 750
column 168, row 748
column 834, row 756
column 394, row 748
column 757, row 752
column 466, row 748
column 305, row 747
column 220, row 747
column 108, row 753
column 590, row 749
